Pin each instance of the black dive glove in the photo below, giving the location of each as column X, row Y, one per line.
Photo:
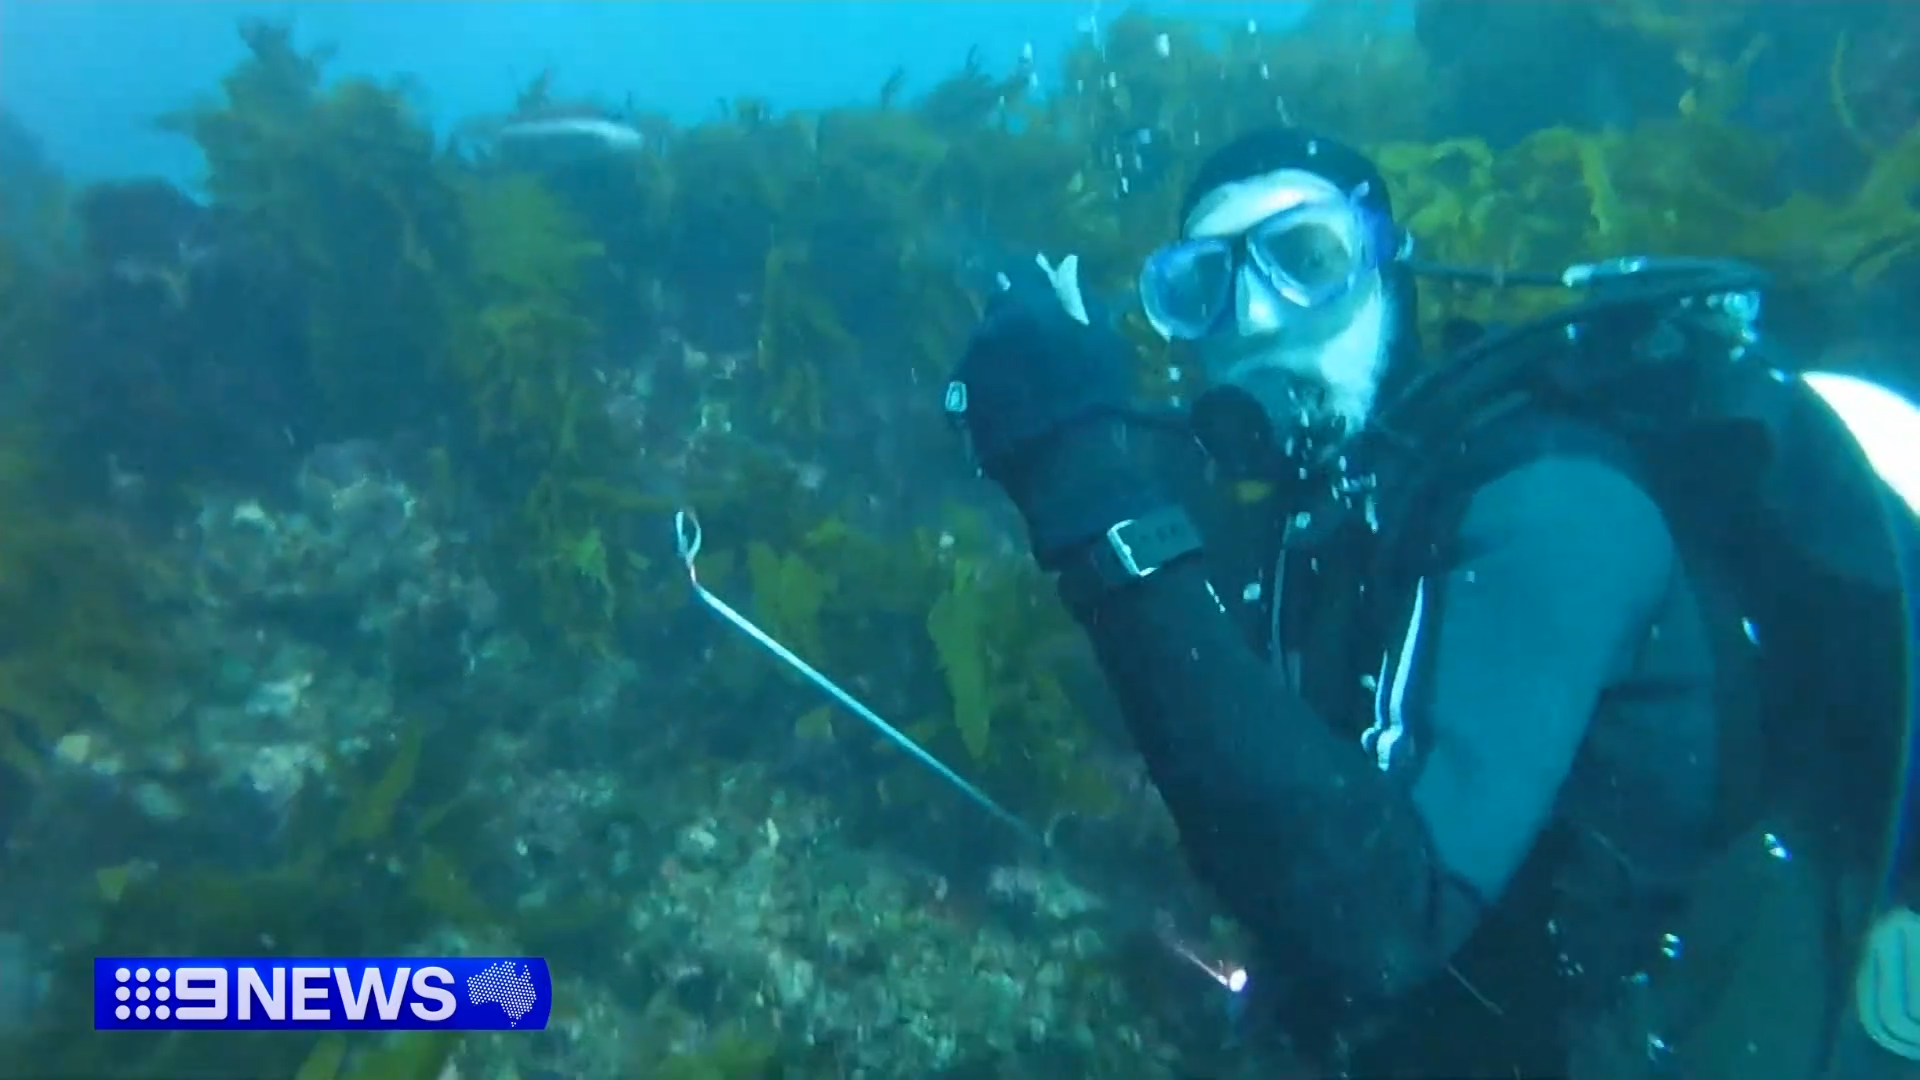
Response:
column 1043, row 393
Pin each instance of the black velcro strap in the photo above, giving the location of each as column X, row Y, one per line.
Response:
column 1129, row 551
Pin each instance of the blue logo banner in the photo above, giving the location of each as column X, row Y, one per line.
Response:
column 197, row 993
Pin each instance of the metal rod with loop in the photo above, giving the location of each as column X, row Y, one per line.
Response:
column 687, row 537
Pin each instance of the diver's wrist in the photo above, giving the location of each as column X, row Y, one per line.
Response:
column 1127, row 552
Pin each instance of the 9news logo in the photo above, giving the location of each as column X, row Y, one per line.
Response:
column 195, row 993
column 160, row 994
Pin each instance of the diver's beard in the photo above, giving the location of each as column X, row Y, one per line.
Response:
column 1319, row 380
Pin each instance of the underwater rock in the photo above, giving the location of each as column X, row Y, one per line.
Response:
column 179, row 354
column 277, row 772
column 1047, row 894
column 284, row 657
column 356, row 558
column 781, row 920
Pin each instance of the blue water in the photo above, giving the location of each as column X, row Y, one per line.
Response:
column 88, row 76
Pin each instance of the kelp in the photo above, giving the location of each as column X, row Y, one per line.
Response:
column 82, row 628
column 955, row 623
column 84, row 642
column 480, row 282
column 845, row 254
column 519, row 349
column 342, row 184
column 362, row 872
column 412, row 1055
column 826, row 268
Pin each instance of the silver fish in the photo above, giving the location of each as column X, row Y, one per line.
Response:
column 609, row 135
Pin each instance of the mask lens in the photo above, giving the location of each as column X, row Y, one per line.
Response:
column 1186, row 287
column 1310, row 257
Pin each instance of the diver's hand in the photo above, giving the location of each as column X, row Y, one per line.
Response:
column 1042, row 391
column 1036, row 365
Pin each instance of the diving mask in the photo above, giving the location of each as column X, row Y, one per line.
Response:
column 1310, row 253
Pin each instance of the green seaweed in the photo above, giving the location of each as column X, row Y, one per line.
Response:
column 790, row 593
column 955, row 622
column 370, row 816
column 83, row 640
column 325, row 1059
column 731, row 1055
column 410, row 1055
column 518, row 356
column 827, row 266
column 342, row 181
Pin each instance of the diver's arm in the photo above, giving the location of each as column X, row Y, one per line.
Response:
column 1311, row 844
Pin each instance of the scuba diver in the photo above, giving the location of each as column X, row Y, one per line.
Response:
column 1483, row 704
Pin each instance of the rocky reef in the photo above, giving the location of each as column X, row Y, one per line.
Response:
column 340, row 611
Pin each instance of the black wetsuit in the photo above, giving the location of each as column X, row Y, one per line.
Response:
column 1369, row 742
